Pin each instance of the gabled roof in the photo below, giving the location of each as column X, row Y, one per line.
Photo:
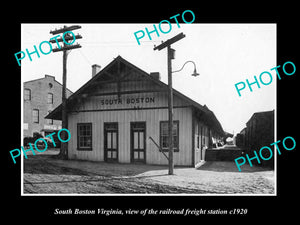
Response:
column 209, row 115
column 261, row 115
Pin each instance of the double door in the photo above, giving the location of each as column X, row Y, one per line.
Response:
column 137, row 142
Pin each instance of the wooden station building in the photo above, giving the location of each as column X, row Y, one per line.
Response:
column 116, row 113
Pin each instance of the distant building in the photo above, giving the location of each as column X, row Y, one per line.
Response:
column 40, row 97
column 259, row 132
column 240, row 138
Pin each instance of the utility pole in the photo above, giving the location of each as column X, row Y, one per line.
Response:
column 170, row 94
column 67, row 46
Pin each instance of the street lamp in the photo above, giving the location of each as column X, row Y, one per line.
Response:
column 195, row 74
column 170, row 53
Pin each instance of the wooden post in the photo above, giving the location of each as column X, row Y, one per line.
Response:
column 64, row 145
column 67, row 37
column 170, row 109
column 167, row 45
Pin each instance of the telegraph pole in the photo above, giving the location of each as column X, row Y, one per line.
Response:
column 67, row 46
column 170, row 94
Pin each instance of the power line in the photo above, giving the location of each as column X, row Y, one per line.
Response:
column 83, row 55
column 67, row 46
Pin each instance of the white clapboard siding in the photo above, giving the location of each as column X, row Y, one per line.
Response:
column 135, row 99
column 152, row 117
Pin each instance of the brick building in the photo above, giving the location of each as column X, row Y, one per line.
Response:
column 40, row 97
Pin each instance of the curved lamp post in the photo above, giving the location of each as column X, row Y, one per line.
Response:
column 170, row 53
column 195, row 70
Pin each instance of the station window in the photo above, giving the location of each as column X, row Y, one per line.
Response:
column 84, row 136
column 164, row 135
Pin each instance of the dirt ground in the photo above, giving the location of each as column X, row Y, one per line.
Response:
column 45, row 174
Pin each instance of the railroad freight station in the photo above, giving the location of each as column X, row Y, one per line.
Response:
column 121, row 115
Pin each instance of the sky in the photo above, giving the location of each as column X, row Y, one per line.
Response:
column 224, row 54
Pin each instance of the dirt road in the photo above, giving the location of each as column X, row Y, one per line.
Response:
column 44, row 174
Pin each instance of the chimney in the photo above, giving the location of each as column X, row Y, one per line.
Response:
column 155, row 75
column 95, row 69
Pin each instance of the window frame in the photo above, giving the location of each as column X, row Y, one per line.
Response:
column 82, row 148
column 29, row 95
column 52, row 96
column 165, row 149
column 197, row 135
column 36, row 116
